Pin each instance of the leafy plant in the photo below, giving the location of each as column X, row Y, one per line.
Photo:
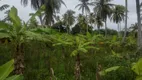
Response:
column 137, row 68
column 6, row 69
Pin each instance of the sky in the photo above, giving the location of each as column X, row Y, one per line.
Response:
column 23, row 12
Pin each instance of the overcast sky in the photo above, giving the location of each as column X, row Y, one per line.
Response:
column 24, row 11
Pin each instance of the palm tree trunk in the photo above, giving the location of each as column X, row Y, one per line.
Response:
column 139, row 42
column 105, row 28
column 118, row 30
column 19, row 60
column 77, row 68
column 41, row 21
column 86, row 23
column 99, row 29
column 126, row 14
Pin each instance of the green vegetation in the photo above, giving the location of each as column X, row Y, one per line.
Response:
column 68, row 47
column 6, row 69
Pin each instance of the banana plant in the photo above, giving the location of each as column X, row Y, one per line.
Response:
column 6, row 69
column 18, row 34
column 137, row 68
column 81, row 45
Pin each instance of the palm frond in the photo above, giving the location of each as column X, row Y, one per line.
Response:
column 3, row 7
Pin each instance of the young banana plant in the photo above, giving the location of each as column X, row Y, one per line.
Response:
column 81, row 45
column 18, row 34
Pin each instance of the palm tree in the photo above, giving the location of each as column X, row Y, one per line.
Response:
column 91, row 19
column 126, row 21
column 139, row 24
column 103, row 8
column 133, row 27
column 6, row 17
column 51, row 8
column 84, row 6
column 118, row 14
column 82, row 22
column 98, row 22
column 69, row 19
column 3, row 7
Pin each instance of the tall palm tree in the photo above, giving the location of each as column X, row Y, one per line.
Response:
column 126, row 21
column 118, row 14
column 103, row 8
column 91, row 19
column 51, row 8
column 139, row 24
column 98, row 22
column 84, row 6
column 82, row 22
column 69, row 19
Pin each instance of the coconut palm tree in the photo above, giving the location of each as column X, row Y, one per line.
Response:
column 126, row 21
column 103, row 8
column 51, row 8
column 91, row 19
column 139, row 24
column 3, row 7
column 82, row 22
column 84, row 6
column 99, row 22
column 118, row 14
column 69, row 19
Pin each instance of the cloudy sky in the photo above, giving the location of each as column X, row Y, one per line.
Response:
column 24, row 11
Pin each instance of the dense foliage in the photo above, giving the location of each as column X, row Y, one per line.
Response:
column 62, row 52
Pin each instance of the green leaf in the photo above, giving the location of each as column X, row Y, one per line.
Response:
column 139, row 78
column 116, row 54
column 3, row 25
column 104, row 72
column 88, row 35
column 4, row 35
column 114, row 39
column 6, row 69
column 87, row 44
column 74, row 53
column 137, row 68
column 83, row 50
column 15, row 77
column 32, row 35
column 13, row 14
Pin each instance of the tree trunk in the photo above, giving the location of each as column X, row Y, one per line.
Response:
column 126, row 14
column 99, row 29
column 77, row 68
column 105, row 28
column 41, row 21
column 86, row 23
column 118, row 30
column 19, row 60
column 99, row 68
column 139, row 42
